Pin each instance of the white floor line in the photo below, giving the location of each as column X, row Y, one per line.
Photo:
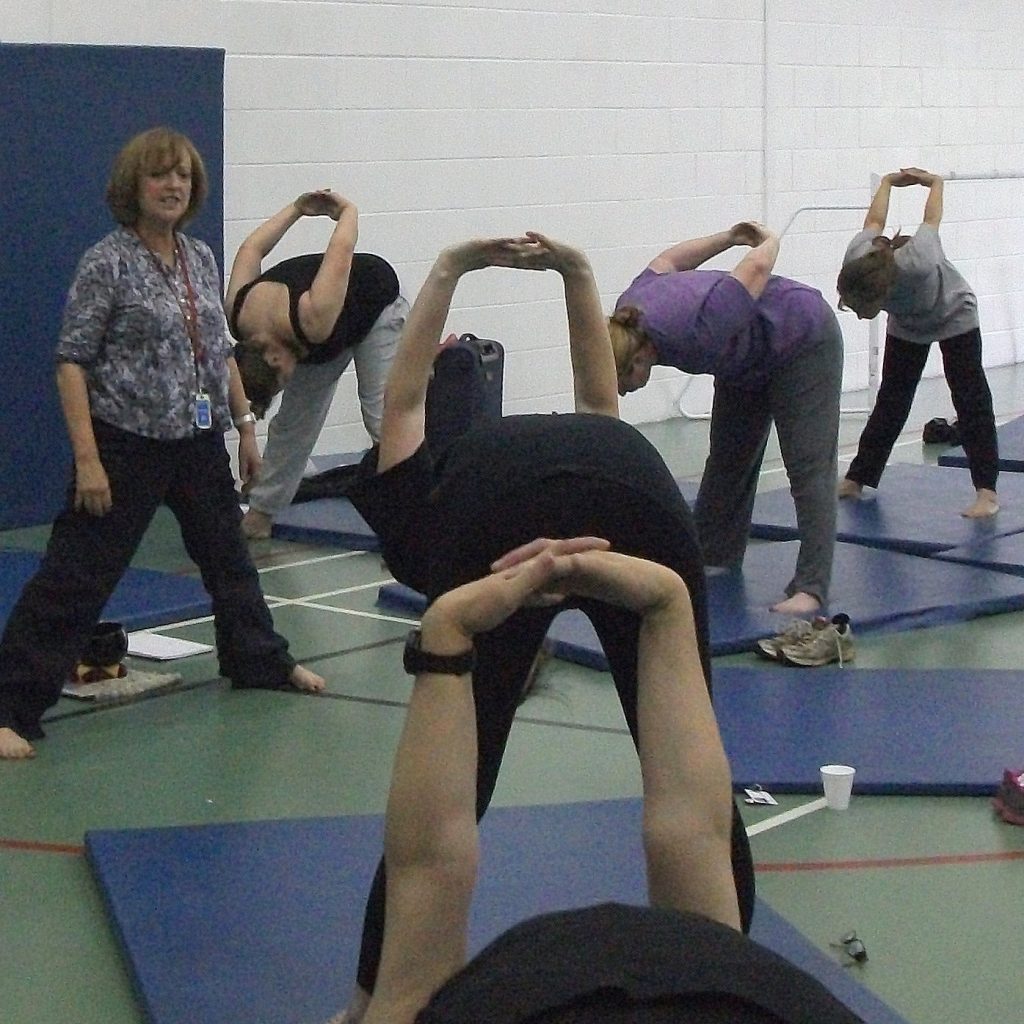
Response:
column 314, row 561
column 349, row 611
column 330, row 593
column 786, row 816
column 300, row 602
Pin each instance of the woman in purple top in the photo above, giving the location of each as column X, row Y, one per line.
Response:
column 776, row 353
column 927, row 300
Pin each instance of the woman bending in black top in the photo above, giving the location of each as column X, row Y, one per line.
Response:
column 299, row 325
column 497, row 489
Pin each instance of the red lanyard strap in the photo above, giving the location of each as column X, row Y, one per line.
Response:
column 188, row 310
column 192, row 317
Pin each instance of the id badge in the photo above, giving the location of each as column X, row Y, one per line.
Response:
column 204, row 411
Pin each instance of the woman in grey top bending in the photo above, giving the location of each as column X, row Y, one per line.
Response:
column 927, row 300
column 148, row 387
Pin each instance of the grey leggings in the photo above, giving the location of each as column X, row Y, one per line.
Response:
column 802, row 398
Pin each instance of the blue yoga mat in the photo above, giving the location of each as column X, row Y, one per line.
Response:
column 881, row 591
column 260, row 921
column 326, row 521
column 1002, row 554
column 1011, row 449
column 934, row 732
column 143, row 598
column 916, row 509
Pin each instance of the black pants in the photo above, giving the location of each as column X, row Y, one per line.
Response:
column 566, row 506
column 901, row 371
column 87, row 555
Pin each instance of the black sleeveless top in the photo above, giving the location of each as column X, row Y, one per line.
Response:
column 372, row 287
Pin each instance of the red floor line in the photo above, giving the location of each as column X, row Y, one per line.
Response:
column 778, row 866
column 35, row 847
column 892, row 862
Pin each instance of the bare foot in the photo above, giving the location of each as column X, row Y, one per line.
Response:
column 800, row 605
column 256, row 525
column 985, row 504
column 305, row 680
column 849, row 488
column 13, row 747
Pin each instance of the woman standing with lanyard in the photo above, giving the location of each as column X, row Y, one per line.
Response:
column 927, row 300
column 148, row 388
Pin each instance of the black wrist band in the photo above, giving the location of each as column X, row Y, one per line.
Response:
column 417, row 660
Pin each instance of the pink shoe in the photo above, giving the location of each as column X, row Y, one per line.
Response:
column 1009, row 797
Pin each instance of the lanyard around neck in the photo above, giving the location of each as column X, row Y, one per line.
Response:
column 187, row 308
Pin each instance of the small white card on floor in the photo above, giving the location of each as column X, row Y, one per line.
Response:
column 144, row 644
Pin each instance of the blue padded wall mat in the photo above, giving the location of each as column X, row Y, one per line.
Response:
column 65, row 111
column 1011, row 449
column 916, row 509
column 936, row 732
column 142, row 599
column 260, row 921
column 881, row 591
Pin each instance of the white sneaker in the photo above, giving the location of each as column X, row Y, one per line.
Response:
column 832, row 642
column 771, row 646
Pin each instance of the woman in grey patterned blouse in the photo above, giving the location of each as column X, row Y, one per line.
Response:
column 148, row 388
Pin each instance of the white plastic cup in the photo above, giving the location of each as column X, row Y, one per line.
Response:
column 837, row 781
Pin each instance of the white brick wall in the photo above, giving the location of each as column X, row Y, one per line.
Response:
column 623, row 125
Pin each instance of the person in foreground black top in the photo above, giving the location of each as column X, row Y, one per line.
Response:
column 504, row 485
column 619, row 964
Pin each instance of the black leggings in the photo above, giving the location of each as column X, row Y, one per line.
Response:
column 901, row 371
column 566, row 506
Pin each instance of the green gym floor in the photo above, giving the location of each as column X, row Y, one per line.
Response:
column 932, row 885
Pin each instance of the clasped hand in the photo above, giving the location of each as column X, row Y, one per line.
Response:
column 749, row 232
column 531, row 251
column 545, row 572
column 321, row 203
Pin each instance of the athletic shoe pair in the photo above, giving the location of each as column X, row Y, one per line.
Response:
column 1009, row 799
column 811, row 643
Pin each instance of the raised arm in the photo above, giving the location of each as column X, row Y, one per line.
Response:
column 878, row 211
column 754, row 270
column 405, row 396
column 595, row 386
column 331, row 289
column 690, row 254
column 934, row 184
column 320, row 307
column 248, row 262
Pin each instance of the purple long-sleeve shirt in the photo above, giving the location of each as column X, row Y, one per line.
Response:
column 705, row 321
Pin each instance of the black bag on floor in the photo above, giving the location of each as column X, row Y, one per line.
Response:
column 940, row 431
column 465, row 390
